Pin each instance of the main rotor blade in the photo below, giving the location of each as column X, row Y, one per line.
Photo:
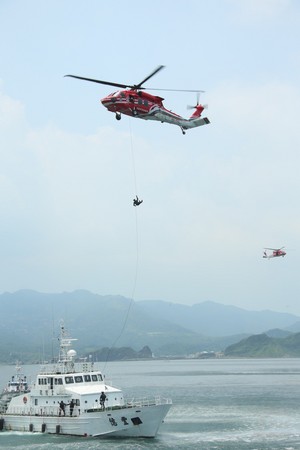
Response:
column 175, row 90
column 109, row 83
column 138, row 86
column 135, row 86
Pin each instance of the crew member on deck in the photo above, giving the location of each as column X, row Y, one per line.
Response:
column 62, row 408
column 102, row 400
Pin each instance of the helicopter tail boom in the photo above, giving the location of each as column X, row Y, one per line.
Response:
column 197, row 122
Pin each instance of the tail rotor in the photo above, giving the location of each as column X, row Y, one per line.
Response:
column 198, row 102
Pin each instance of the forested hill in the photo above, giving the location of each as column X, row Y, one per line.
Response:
column 264, row 346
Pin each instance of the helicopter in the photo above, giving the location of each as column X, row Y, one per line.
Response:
column 275, row 252
column 133, row 101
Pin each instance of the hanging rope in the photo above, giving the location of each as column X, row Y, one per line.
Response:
column 132, row 157
column 137, row 257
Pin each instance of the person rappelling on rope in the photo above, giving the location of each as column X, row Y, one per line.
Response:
column 137, row 201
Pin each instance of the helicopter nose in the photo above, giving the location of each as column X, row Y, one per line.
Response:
column 109, row 102
column 104, row 101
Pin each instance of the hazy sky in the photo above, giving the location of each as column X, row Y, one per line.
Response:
column 212, row 198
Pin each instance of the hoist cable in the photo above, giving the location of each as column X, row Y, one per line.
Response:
column 137, row 257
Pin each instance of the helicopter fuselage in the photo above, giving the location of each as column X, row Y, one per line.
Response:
column 143, row 105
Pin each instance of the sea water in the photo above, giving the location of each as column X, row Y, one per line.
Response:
column 218, row 404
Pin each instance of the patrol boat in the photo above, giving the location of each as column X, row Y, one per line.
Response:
column 66, row 400
column 17, row 385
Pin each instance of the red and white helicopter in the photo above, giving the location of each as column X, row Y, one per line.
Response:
column 134, row 102
column 275, row 252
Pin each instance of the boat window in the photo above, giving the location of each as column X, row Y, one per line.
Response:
column 87, row 377
column 58, row 381
column 94, row 378
column 69, row 380
column 100, row 377
column 78, row 379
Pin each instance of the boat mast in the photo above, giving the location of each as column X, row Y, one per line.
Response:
column 66, row 355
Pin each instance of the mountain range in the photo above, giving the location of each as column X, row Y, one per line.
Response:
column 30, row 324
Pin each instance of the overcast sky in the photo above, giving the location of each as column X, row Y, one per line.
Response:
column 212, row 198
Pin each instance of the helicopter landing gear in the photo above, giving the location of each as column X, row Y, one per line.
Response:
column 183, row 132
column 118, row 115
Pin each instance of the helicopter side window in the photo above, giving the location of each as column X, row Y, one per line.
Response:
column 123, row 95
column 140, row 101
column 146, row 102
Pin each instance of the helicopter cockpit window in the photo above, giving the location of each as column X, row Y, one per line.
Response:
column 123, row 95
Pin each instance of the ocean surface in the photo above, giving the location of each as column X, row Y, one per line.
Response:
column 238, row 404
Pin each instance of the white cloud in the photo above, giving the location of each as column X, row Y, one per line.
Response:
column 11, row 111
column 259, row 10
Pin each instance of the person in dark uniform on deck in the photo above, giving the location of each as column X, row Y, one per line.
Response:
column 102, row 400
column 62, row 408
column 72, row 404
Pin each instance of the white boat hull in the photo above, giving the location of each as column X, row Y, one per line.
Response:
column 134, row 421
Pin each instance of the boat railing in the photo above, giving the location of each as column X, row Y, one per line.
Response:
column 54, row 410
column 145, row 401
column 40, row 411
column 133, row 403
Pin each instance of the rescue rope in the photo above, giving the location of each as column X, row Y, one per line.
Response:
column 132, row 157
column 137, row 257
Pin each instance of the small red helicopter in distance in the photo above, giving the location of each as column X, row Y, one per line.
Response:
column 134, row 102
column 275, row 252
